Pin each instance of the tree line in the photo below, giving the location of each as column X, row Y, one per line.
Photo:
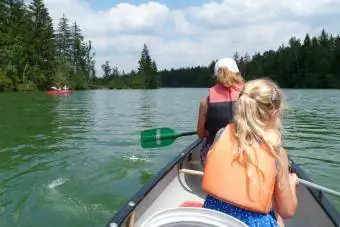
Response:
column 146, row 76
column 34, row 56
column 311, row 63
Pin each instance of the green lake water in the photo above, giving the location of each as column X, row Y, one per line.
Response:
column 74, row 160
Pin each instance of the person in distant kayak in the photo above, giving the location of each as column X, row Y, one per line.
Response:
column 65, row 87
column 216, row 110
column 246, row 173
column 55, row 88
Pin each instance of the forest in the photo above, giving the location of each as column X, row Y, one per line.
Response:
column 311, row 63
column 36, row 56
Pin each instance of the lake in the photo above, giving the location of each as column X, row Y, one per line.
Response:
column 74, row 160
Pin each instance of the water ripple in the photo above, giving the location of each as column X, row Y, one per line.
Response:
column 74, row 160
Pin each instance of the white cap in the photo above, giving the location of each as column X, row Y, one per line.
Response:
column 226, row 63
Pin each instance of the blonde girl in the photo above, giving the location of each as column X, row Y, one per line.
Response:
column 246, row 174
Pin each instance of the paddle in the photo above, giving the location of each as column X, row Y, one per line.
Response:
column 318, row 187
column 160, row 137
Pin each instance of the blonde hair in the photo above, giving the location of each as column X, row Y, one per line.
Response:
column 228, row 78
column 253, row 114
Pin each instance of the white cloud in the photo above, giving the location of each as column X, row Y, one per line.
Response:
column 194, row 35
column 128, row 17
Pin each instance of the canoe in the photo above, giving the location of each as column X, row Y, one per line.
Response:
column 61, row 92
column 178, row 185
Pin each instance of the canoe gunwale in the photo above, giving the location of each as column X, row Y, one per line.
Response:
column 126, row 209
column 319, row 196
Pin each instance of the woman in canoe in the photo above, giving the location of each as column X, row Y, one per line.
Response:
column 246, row 173
column 216, row 110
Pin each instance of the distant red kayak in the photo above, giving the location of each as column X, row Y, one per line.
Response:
column 61, row 92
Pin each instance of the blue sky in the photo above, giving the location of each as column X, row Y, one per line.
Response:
column 192, row 32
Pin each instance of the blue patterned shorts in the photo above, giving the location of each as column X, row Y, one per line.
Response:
column 253, row 219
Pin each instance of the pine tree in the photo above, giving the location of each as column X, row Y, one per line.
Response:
column 42, row 44
column 148, row 68
column 64, row 39
column 236, row 57
column 145, row 61
column 77, row 49
column 106, row 69
column 64, row 54
column 89, row 61
column 14, row 55
column 335, row 63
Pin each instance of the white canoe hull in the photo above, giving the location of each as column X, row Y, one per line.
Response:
column 170, row 188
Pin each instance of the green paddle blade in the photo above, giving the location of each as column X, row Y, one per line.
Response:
column 158, row 137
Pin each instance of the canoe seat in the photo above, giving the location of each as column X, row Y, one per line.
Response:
column 190, row 217
column 191, row 204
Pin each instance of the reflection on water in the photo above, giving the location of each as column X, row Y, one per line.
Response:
column 74, row 160
column 147, row 106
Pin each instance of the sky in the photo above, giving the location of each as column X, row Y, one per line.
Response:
column 181, row 33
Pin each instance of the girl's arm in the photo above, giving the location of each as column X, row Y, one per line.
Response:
column 285, row 199
column 201, row 131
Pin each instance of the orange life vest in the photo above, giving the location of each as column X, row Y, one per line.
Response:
column 228, row 179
